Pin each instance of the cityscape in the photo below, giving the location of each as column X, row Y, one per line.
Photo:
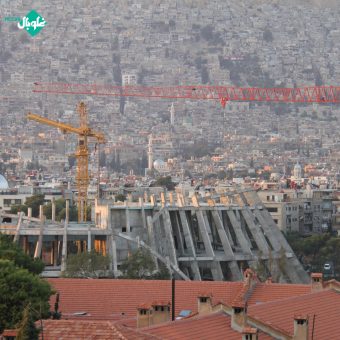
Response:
column 169, row 169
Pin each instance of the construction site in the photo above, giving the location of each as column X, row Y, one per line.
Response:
column 196, row 237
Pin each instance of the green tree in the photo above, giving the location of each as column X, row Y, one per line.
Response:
column 33, row 202
column 60, row 211
column 88, row 265
column 19, row 207
column 11, row 251
column 141, row 265
column 26, row 327
column 18, row 288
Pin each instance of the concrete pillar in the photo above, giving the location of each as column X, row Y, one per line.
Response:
column 256, row 232
column 17, row 231
column 204, row 228
column 208, row 226
column 151, row 236
column 41, row 212
column 38, row 248
column 67, row 213
column 53, row 209
column 267, row 230
column 177, row 231
column 64, row 248
column 163, row 201
column 127, row 215
column 236, row 225
column 236, row 274
column 146, row 197
column 141, row 203
column 29, row 212
column 171, row 198
column 89, row 239
column 55, row 251
column 190, row 244
column 225, row 225
column 216, row 271
column 170, row 238
column 204, row 233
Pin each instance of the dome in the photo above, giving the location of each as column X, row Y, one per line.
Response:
column 3, row 182
column 158, row 163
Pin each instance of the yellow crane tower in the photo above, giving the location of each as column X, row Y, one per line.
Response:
column 82, row 152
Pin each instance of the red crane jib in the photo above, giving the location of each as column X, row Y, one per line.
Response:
column 311, row 94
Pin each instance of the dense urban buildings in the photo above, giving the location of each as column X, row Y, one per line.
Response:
column 211, row 191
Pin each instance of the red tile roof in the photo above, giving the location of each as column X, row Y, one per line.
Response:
column 89, row 330
column 211, row 326
column 108, row 299
column 264, row 292
column 9, row 332
column 324, row 306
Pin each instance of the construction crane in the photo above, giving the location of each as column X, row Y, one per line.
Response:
column 311, row 94
column 82, row 153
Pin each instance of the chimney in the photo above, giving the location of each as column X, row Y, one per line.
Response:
column 238, row 317
column 316, row 282
column 144, row 316
column 249, row 333
column 269, row 280
column 300, row 327
column 161, row 312
column 204, row 301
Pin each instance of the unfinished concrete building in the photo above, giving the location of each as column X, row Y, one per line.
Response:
column 202, row 239
column 197, row 238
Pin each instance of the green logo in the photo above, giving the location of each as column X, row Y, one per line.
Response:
column 33, row 23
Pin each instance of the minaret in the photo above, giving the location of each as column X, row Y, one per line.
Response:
column 172, row 115
column 150, row 153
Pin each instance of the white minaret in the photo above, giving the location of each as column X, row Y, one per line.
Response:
column 172, row 115
column 297, row 172
column 150, row 153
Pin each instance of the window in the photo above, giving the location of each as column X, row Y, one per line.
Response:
column 271, row 209
column 203, row 299
column 123, row 229
column 7, row 202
